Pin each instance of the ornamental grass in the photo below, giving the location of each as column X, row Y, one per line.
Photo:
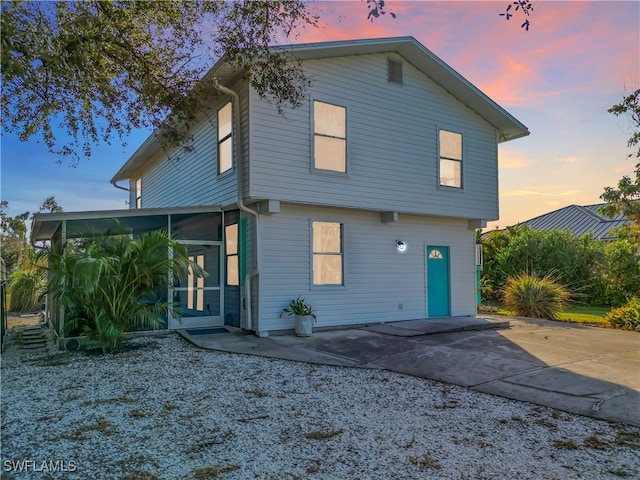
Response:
column 528, row 295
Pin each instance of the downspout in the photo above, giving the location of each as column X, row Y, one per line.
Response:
column 114, row 183
column 241, row 205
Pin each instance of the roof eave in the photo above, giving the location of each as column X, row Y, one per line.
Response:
column 151, row 145
column 417, row 54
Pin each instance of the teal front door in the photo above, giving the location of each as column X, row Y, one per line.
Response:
column 438, row 281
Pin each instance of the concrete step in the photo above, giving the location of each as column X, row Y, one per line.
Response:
column 35, row 339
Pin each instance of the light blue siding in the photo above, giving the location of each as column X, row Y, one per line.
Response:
column 186, row 178
column 392, row 150
column 377, row 279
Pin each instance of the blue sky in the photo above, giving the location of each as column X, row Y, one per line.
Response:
column 559, row 78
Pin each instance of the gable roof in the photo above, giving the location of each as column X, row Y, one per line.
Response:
column 578, row 220
column 429, row 64
column 508, row 127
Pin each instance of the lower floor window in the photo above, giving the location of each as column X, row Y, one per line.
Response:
column 233, row 270
column 327, row 253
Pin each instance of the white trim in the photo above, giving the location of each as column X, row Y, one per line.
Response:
column 313, row 285
column 329, row 171
column 200, row 321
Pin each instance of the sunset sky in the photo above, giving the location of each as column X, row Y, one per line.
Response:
column 559, row 78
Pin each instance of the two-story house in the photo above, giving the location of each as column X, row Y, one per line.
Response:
column 364, row 201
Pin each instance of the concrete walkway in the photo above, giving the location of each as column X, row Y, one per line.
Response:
column 585, row 370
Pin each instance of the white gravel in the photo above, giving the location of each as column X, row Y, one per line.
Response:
column 164, row 409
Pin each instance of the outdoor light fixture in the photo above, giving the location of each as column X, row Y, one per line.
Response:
column 401, row 246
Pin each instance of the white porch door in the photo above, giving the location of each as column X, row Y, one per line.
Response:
column 199, row 300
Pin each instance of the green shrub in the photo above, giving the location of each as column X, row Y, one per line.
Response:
column 626, row 316
column 108, row 284
column 26, row 289
column 528, row 295
column 560, row 253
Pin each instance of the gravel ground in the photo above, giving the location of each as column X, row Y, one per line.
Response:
column 164, row 409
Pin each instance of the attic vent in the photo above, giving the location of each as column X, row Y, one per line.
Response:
column 394, row 71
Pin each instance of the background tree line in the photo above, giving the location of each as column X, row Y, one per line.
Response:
column 24, row 270
column 597, row 272
column 594, row 272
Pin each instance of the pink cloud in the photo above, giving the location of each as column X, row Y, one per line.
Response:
column 571, row 47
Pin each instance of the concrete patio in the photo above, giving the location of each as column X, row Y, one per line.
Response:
column 578, row 369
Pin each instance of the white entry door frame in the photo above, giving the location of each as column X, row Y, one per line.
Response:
column 199, row 300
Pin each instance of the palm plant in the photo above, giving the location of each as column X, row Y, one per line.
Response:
column 111, row 284
column 27, row 285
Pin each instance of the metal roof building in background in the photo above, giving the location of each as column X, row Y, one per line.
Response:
column 578, row 220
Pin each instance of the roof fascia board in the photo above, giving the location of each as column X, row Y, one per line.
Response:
column 130, row 212
column 42, row 219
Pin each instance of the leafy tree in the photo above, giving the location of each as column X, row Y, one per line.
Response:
column 103, row 68
column 625, row 199
column 616, row 278
column 112, row 284
column 14, row 242
column 493, row 242
column 599, row 273
column 100, row 69
column 523, row 7
column 13, row 237
column 50, row 205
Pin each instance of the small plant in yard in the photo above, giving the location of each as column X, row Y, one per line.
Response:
column 319, row 435
column 425, row 461
column 258, row 392
column 213, row 472
column 626, row 316
column 593, row 441
column 566, row 444
column 16, row 336
column 528, row 295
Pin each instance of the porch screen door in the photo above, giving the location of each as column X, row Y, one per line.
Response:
column 199, row 299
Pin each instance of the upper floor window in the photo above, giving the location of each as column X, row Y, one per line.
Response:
column 327, row 253
column 225, row 138
column 450, row 159
column 330, row 137
column 139, row 193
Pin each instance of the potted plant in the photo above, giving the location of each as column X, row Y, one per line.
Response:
column 304, row 315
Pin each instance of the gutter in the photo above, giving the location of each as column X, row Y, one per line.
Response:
column 241, row 205
column 115, row 184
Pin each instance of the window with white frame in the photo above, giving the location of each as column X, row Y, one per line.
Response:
column 138, row 187
column 450, row 159
column 233, row 267
column 225, row 138
column 327, row 253
column 329, row 137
